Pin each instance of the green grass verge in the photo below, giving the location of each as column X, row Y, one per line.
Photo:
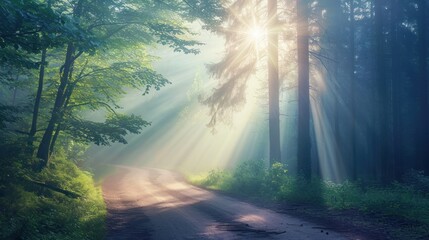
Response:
column 409, row 200
column 31, row 211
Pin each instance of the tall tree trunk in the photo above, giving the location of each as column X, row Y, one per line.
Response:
column 423, row 118
column 43, row 151
column 352, row 160
column 37, row 100
column 273, row 82
column 382, row 148
column 54, row 138
column 396, row 92
column 336, row 23
column 372, row 161
column 304, row 156
column 67, row 96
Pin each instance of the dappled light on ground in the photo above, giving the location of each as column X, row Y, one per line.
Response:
column 143, row 202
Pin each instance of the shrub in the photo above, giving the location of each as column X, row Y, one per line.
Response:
column 217, row 179
column 248, row 177
column 33, row 212
column 409, row 200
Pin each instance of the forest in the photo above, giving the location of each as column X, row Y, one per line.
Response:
column 114, row 112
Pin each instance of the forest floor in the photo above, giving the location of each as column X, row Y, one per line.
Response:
column 361, row 225
column 158, row 204
column 356, row 224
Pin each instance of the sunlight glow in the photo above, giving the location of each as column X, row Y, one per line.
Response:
column 179, row 138
column 331, row 162
column 256, row 33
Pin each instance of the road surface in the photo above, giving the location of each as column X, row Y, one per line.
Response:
column 158, row 204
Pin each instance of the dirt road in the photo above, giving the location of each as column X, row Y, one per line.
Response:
column 158, row 204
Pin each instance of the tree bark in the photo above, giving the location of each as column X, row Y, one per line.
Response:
column 423, row 101
column 352, row 160
column 43, row 151
column 37, row 100
column 382, row 148
column 54, row 138
column 273, row 82
column 396, row 92
column 67, row 96
column 304, row 148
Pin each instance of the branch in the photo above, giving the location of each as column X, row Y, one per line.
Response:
column 19, row 33
column 323, row 56
column 53, row 188
column 97, row 102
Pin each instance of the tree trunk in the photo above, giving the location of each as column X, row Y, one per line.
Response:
column 67, row 96
column 352, row 160
column 43, row 151
column 273, row 82
column 54, row 138
column 37, row 100
column 382, row 146
column 396, row 93
column 423, row 101
column 304, row 157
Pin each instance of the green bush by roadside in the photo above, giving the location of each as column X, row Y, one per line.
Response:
column 31, row 211
column 408, row 200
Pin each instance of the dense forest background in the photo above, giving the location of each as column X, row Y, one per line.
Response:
column 353, row 83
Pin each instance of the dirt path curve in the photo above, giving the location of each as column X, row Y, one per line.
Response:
column 158, row 204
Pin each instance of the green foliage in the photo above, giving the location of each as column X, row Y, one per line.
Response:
column 22, row 23
column 106, row 44
column 417, row 180
column 249, row 177
column 217, row 179
column 277, row 176
column 30, row 211
column 7, row 115
column 341, row 196
column 113, row 129
column 407, row 200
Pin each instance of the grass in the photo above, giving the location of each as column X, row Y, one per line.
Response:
column 30, row 211
column 409, row 200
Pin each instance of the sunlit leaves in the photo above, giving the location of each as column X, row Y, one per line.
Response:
column 211, row 12
column 239, row 62
column 106, row 44
column 113, row 129
column 167, row 35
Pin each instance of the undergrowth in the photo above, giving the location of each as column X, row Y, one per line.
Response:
column 31, row 211
column 408, row 200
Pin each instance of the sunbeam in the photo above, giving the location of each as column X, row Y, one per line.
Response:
column 183, row 141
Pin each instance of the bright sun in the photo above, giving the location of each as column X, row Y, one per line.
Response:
column 256, row 33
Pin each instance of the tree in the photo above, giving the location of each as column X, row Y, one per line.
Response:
column 396, row 103
column 237, row 65
column 113, row 24
column 240, row 63
column 304, row 157
column 423, row 99
column 273, row 83
column 382, row 150
column 352, row 91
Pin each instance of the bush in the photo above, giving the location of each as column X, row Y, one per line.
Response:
column 217, row 179
column 417, row 180
column 33, row 212
column 248, row 178
column 408, row 200
column 341, row 196
column 276, row 179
